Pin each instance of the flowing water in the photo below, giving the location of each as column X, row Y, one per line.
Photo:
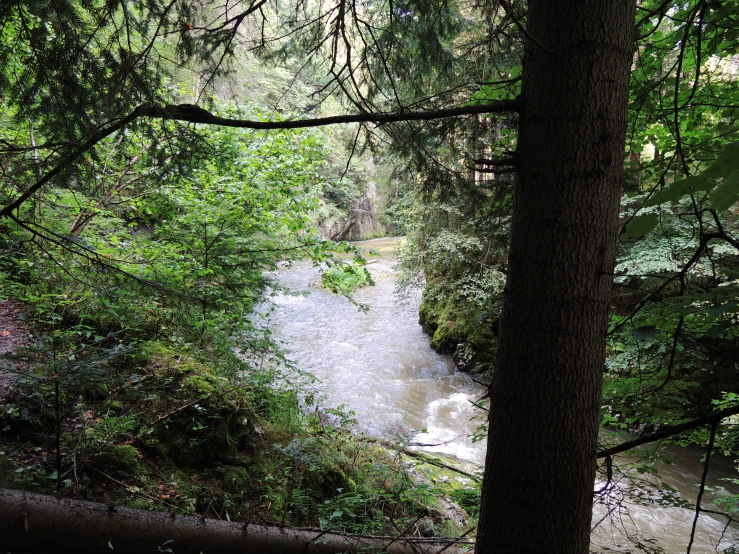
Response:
column 380, row 366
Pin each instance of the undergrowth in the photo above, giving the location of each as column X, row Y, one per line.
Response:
column 148, row 427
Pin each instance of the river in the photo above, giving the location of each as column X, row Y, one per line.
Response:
column 380, row 366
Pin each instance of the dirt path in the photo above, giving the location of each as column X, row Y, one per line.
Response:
column 14, row 335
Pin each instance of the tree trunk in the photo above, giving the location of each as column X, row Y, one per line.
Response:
column 546, row 391
column 37, row 523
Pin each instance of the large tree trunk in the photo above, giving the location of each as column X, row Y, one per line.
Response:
column 36, row 523
column 546, row 392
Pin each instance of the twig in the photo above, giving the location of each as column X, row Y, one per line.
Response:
column 403, row 532
column 476, row 405
column 508, row 10
column 436, row 444
column 703, row 484
column 129, row 489
column 421, row 456
column 165, row 416
column 459, row 538
column 438, row 463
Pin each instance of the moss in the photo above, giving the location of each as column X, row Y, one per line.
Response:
column 452, row 321
column 200, row 384
column 127, row 456
column 157, row 356
column 236, row 479
column 469, row 499
column 123, row 457
column 68, row 440
column 137, row 502
column 113, row 405
column 428, row 313
column 446, row 337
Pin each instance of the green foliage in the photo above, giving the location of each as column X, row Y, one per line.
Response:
column 242, row 446
column 346, row 278
column 469, row 499
column 720, row 179
column 457, row 247
column 183, row 259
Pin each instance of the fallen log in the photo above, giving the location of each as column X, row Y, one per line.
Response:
column 31, row 522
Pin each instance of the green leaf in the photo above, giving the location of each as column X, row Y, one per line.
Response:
column 725, row 164
column 645, row 333
column 717, row 330
column 727, row 193
column 641, row 225
column 725, row 167
column 678, row 189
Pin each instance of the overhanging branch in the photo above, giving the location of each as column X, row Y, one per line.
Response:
column 669, row 431
column 194, row 114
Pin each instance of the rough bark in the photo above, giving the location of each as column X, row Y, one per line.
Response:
column 36, row 523
column 546, row 391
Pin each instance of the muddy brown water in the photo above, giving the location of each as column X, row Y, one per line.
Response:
column 380, row 366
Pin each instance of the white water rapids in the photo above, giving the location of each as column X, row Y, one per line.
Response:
column 380, row 366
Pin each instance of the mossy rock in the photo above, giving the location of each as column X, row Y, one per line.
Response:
column 123, row 457
column 452, row 321
column 428, row 315
column 446, row 337
column 200, row 384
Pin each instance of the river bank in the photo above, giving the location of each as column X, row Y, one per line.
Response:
column 156, row 425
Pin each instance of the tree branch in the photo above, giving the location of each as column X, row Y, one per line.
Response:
column 499, row 161
column 69, row 158
column 194, row 114
column 509, row 11
column 669, row 431
column 702, row 489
